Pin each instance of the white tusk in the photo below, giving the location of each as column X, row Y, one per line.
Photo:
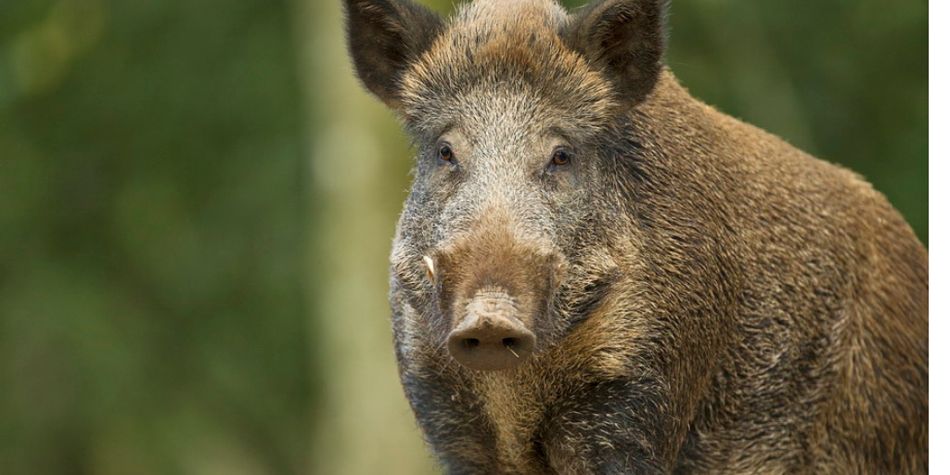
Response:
column 430, row 267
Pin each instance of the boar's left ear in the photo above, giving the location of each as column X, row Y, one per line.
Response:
column 624, row 39
column 384, row 37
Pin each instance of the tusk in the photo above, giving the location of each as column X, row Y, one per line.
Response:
column 430, row 268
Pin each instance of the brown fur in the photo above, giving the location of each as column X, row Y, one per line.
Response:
column 707, row 298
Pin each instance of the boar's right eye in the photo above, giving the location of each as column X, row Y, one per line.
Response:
column 560, row 158
column 446, row 154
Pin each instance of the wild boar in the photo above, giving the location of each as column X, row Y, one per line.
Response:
column 595, row 272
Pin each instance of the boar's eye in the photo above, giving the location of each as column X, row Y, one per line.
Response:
column 446, row 154
column 560, row 158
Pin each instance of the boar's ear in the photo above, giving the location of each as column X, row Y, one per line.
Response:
column 624, row 39
column 384, row 37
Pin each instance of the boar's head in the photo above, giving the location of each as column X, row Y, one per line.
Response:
column 526, row 162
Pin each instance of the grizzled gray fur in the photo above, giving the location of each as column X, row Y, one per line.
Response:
column 597, row 273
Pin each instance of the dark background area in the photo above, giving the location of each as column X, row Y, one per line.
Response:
column 197, row 201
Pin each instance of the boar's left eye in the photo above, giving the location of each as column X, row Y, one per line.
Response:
column 560, row 158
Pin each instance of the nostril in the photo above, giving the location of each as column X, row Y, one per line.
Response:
column 490, row 339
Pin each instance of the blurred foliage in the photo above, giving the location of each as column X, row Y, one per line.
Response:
column 197, row 201
column 152, row 219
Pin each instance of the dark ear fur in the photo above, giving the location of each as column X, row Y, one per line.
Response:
column 624, row 39
column 384, row 37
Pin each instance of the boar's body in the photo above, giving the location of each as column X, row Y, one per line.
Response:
column 710, row 299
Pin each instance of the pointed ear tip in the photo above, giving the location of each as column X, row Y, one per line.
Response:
column 605, row 31
column 383, row 38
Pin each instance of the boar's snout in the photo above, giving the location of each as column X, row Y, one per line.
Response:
column 490, row 336
column 494, row 287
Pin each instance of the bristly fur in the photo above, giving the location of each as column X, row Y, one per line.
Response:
column 706, row 298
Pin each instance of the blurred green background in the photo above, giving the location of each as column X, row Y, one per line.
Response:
column 197, row 201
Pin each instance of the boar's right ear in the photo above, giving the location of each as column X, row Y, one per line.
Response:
column 384, row 37
column 624, row 39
